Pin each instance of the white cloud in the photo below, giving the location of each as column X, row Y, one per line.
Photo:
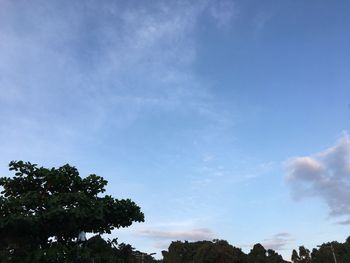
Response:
column 325, row 175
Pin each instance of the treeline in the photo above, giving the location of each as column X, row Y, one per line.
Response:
column 220, row 251
column 327, row 253
column 98, row 250
column 217, row 251
column 94, row 250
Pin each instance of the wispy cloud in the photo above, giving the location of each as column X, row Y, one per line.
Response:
column 344, row 222
column 260, row 21
column 161, row 237
column 210, row 173
column 105, row 64
column 161, row 234
column 325, row 175
column 223, row 12
column 190, row 234
column 278, row 241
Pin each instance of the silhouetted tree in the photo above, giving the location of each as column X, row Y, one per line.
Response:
column 295, row 257
column 273, row 257
column 42, row 211
column 325, row 253
column 257, row 254
column 219, row 251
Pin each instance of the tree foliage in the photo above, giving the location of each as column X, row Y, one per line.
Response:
column 302, row 257
column 217, row 251
column 326, row 253
column 42, row 211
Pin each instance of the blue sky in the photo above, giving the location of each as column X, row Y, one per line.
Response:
column 221, row 119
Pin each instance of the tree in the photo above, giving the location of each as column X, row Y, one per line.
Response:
column 260, row 255
column 257, row 254
column 219, row 251
column 42, row 211
column 332, row 252
column 295, row 256
column 303, row 257
column 304, row 254
column 274, row 257
column 181, row 252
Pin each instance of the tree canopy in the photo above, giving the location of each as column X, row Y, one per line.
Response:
column 217, row 251
column 326, row 253
column 43, row 210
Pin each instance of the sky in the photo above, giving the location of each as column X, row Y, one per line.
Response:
column 220, row 119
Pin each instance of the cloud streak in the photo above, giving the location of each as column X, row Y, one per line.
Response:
column 325, row 175
column 194, row 234
column 277, row 241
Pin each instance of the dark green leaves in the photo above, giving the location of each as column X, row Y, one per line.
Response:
column 40, row 204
